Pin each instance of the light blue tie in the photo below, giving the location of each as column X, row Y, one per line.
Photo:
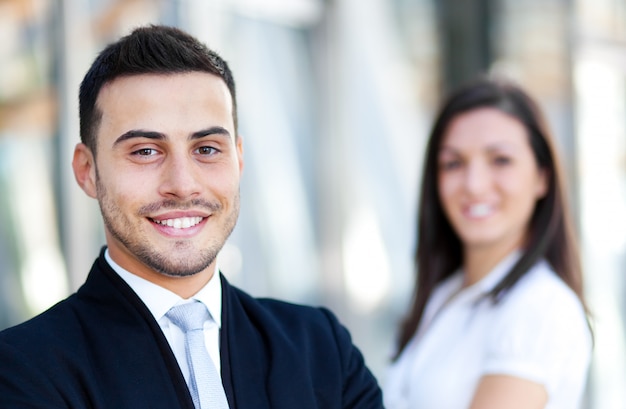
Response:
column 205, row 384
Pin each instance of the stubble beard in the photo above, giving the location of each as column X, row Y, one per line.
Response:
column 176, row 262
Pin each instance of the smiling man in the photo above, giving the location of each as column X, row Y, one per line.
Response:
column 166, row 175
column 156, row 325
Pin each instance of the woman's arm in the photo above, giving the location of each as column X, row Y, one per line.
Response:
column 504, row 391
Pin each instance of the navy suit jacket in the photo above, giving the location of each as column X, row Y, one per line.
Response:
column 102, row 348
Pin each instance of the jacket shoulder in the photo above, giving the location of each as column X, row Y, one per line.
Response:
column 312, row 354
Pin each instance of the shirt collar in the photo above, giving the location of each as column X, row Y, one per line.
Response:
column 483, row 286
column 497, row 274
column 159, row 300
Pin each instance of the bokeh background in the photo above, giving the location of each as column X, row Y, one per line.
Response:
column 336, row 101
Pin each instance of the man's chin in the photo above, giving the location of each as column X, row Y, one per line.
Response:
column 181, row 269
column 183, row 266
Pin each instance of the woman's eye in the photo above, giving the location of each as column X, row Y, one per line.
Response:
column 450, row 164
column 502, row 160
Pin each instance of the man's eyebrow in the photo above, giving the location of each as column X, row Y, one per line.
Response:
column 138, row 133
column 214, row 130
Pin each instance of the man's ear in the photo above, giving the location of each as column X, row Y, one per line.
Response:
column 84, row 165
column 239, row 147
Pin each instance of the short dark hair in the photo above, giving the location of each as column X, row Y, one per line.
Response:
column 550, row 232
column 153, row 49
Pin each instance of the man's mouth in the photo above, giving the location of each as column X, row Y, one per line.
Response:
column 179, row 223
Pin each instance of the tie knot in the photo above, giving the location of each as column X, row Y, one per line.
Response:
column 190, row 316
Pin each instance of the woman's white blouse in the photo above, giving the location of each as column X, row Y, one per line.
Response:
column 537, row 332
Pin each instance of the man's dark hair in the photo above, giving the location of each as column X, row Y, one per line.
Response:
column 152, row 49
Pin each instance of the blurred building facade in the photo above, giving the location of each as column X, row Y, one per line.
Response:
column 336, row 100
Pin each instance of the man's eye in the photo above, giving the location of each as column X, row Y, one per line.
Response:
column 145, row 152
column 207, row 150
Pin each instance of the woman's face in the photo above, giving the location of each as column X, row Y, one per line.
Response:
column 488, row 179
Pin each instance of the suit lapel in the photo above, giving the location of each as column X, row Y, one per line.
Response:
column 126, row 336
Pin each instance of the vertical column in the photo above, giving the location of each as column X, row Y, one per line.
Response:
column 78, row 214
column 465, row 39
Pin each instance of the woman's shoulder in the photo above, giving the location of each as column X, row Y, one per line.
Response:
column 542, row 309
column 540, row 289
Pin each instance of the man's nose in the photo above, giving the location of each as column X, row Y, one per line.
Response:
column 181, row 177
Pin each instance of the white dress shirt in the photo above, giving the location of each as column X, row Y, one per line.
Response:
column 159, row 301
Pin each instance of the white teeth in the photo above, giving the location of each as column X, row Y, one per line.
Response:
column 180, row 223
column 480, row 210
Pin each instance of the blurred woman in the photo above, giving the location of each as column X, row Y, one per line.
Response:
column 498, row 318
